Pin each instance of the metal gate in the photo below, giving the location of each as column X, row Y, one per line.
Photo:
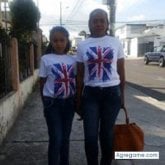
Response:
column 5, row 68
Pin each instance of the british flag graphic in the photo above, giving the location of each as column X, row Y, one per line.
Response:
column 64, row 83
column 99, row 63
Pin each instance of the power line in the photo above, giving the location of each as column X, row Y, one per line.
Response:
column 76, row 8
column 141, row 21
column 77, row 25
column 78, row 22
column 71, row 13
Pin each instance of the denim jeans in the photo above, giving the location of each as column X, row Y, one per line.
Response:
column 59, row 116
column 100, row 109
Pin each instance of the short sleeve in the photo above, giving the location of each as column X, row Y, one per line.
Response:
column 79, row 54
column 74, row 57
column 120, row 51
column 42, row 69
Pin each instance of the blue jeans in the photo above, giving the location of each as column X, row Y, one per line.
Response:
column 100, row 109
column 59, row 116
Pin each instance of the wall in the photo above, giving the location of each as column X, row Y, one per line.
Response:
column 10, row 105
column 134, row 47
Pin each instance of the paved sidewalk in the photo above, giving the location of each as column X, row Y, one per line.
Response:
column 27, row 143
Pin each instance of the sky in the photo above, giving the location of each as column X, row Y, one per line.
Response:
column 75, row 13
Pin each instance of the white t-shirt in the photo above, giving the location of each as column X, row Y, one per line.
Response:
column 60, row 73
column 100, row 56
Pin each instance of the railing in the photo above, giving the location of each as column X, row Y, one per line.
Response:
column 5, row 69
column 24, row 60
column 18, row 60
column 35, row 57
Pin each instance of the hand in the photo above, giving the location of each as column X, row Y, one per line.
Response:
column 122, row 106
column 78, row 107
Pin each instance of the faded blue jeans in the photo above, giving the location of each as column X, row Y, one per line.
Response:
column 59, row 116
column 100, row 109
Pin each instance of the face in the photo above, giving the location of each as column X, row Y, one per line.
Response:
column 59, row 42
column 98, row 24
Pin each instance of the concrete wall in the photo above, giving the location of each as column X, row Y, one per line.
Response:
column 10, row 105
column 134, row 47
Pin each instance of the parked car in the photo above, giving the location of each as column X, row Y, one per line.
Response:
column 158, row 55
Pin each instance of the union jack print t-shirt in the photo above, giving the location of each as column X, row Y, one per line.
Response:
column 60, row 71
column 100, row 56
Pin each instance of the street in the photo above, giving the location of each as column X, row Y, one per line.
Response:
column 150, row 79
column 27, row 142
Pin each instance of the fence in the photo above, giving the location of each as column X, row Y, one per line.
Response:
column 5, row 68
column 24, row 60
column 12, row 56
column 27, row 60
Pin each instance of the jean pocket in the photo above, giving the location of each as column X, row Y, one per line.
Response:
column 87, row 92
column 112, row 92
column 47, row 102
column 116, row 92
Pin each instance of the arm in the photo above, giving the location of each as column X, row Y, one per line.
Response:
column 42, row 82
column 80, row 77
column 121, row 72
column 79, row 86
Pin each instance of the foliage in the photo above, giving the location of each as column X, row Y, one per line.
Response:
column 4, row 37
column 24, row 18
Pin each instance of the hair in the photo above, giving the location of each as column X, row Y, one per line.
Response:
column 55, row 29
column 96, row 11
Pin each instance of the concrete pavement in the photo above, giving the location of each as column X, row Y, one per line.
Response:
column 27, row 142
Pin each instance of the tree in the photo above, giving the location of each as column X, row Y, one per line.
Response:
column 25, row 16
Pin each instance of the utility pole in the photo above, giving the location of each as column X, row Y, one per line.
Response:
column 112, row 15
column 60, row 13
column 6, row 15
column 38, row 8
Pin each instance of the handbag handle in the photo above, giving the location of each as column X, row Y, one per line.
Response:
column 126, row 115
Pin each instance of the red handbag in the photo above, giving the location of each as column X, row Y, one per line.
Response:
column 128, row 136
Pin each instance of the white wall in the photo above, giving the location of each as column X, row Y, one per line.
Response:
column 76, row 41
column 134, row 47
column 10, row 105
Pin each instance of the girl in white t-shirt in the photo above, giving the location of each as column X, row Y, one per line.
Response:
column 57, row 86
column 101, row 77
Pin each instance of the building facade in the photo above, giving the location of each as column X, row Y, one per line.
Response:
column 140, row 38
column 4, row 14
